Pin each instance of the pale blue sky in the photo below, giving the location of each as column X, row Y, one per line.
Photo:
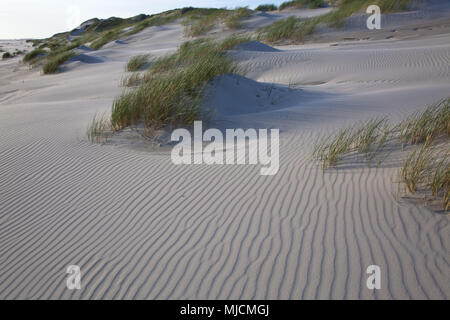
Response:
column 43, row 18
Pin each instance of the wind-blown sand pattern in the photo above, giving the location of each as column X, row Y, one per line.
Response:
column 142, row 228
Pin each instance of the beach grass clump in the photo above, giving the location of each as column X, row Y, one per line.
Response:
column 155, row 20
column 200, row 21
column 296, row 29
column 292, row 28
column 232, row 41
column 311, row 4
column 366, row 138
column 329, row 150
column 266, row 7
column 52, row 63
column 415, row 168
column 439, row 182
column 233, row 20
column 137, row 62
column 6, row 55
column 346, row 8
column 171, row 91
column 105, row 38
column 427, row 126
column 427, row 170
column 99, row 129
column 370, row 133
column 132, row 80
column 34, row 54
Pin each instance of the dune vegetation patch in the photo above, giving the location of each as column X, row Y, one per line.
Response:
column 296, row 29
column 53, row 62
column 137, row 62
column 152, row 21
column 199, row 21
column 292, row 28
column 33, row 55
column 105, row 38
column 101, row 32
column 171, row 91
column 234, row 19
column 426, row 169
column 266, row 7
column 311, row 4
column 366, row 138
column 346, row 8
column 6, row 55
column 99, row 129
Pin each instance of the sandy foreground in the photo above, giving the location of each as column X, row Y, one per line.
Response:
column 141, row 227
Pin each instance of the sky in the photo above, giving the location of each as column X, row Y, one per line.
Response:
column 20, row 19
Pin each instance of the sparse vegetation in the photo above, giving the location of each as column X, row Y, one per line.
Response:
column 425, row 170
column 292, row 28
column 6, row 55
column 171, row 91
column 266, row 7
column 296, row 29
column 367, row 138
column 233, row 20
column 105, row 38
column 32, row 55
column 156, row 20
column 99, row 129
column 132, row 80
column 425, row 127
column 200, row 21
column 311, row 4
column 52, row 64
column 137, row 62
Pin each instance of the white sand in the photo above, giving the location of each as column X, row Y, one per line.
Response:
column 141, row 227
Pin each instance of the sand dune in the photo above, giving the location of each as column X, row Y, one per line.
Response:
column 141, row 227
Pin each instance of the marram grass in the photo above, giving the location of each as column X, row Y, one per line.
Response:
column 426, row 169
column 170, row 92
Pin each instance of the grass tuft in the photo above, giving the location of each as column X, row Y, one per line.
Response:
column 52, row 64
column 105, row 38
column 32, row 55
column 6, row 55
column 292, row 28
column 171, row 91
column 296, row 29
column 427, row 126
column 425, row 170
column 367, row 138
column 137, row 62
column 311, row 4
column 266, row 7
column 99, row 129
column 233, row 20
column 199, row 21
